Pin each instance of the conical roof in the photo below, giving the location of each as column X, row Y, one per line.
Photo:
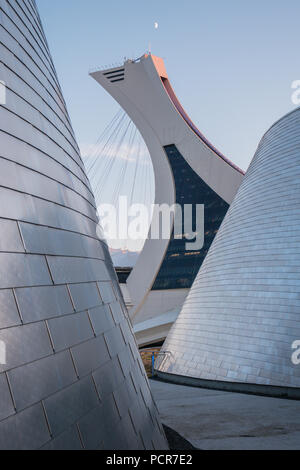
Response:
column 70, row 373
column 241, row 319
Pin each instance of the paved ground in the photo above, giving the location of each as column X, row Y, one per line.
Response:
column 211, row 419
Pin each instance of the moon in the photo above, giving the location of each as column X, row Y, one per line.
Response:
column 156, row 25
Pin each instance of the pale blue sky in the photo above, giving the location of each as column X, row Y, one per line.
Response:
column 231, row 62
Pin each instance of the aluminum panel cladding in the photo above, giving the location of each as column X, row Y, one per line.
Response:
column 241, row 319
column 59, row 335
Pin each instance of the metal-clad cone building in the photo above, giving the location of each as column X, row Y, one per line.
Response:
column 242, row 316
column 70, row 373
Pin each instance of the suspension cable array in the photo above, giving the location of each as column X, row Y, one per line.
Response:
column 119, row 164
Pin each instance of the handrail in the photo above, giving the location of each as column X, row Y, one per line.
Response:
column 161, row 357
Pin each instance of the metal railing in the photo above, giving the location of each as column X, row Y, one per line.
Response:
column 162, row 356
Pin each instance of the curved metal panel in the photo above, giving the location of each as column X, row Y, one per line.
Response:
column 241, row 317
column 72, row 376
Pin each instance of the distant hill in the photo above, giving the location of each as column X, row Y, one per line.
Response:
column 124, row 258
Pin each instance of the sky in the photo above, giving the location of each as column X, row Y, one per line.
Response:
column 231, row 63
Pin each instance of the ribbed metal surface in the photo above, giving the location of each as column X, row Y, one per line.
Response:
column 243, row 312
column 73, row 377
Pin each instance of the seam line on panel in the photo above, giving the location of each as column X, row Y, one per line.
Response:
column 98, row 289
column 71, row 298
column 88, row 314
column 38, row 29
column 119, row 413
column 74, row 365
column 10, row 391
column 56, row 113
column 46, row 418
column 96, row 388
column 47, row 57
column 35, row 224
column 18, row 306
column 39, row 34
column 45, row 135
column 79, row 435
column 50, row 273
column 50, row 338
column 59, row 95
column 47, row 63
column 49, row 156
column 24, row 65
column 44, row 117
column 47, row 200
column 21, row 235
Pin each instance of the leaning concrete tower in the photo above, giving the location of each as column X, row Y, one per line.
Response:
column 188, row 169
column 72, row 377
column 242, row 317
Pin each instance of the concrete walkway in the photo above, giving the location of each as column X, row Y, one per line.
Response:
column 214, row 420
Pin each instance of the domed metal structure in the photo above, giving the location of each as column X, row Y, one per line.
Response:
column 70, row 375
column 241, row 319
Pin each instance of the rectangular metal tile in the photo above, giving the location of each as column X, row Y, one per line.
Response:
column 24, row 344
column 10, row 239
column 127, row 333
column 90, row 355
column 106, row 291
column 70, row 330
column 25, row 431
column 69, row 440
column 117, row 312
column 50, row 241
column 18, row 270
column 122, row 398
column 118, row 434
column 126, row 361
column 9, row 315
column 115, row 341
column 74, row 270
column 68, row 406
column 46, row 165
column 111, row 416
column 24, row 207
column 133, row 441
column 101, row 319
column 85, row 296
column 92, row 428
column 34, row 382
column 41, row 303
column 108, row 378
column 137, row 413
column 6, row 404
column 24, row 179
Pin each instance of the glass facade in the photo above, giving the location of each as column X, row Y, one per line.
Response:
column 180, row 266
